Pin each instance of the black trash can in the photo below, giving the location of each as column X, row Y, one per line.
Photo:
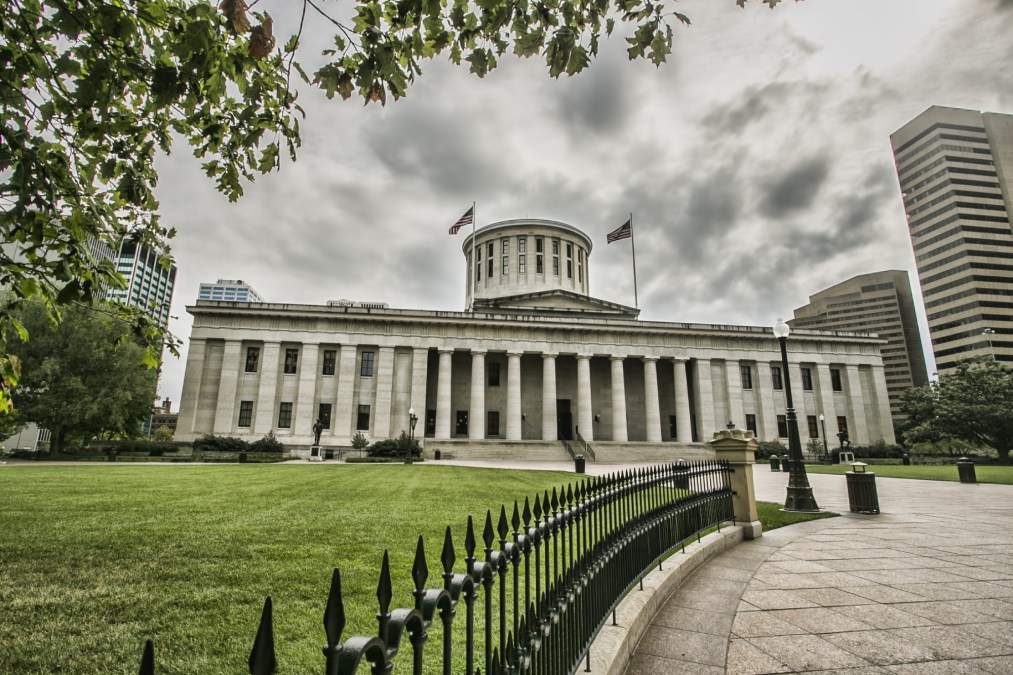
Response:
column 905, row 459
column 242, row 458
column 578, row 463
column 436, row 454
column 775, row 463
column 835, row 457
column 786, row 464
column 681, row 470
column 965, row 469
column 862, row 495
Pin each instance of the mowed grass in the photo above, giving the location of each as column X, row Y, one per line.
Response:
column 95, row 560
column 1002, row 475
column 772, row 517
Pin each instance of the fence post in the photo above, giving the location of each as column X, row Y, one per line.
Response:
column 737, row 447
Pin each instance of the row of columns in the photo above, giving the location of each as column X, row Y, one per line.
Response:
column 585, row 415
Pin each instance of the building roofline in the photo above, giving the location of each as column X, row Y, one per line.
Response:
column 532, row 222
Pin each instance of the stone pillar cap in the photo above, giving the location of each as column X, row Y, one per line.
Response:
column 736, row 434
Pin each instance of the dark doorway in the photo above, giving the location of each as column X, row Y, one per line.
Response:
column 430, row 423
column 462, row 423
column 564, row 420
column 673, row 430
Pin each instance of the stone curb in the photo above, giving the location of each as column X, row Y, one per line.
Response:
column 614, row 646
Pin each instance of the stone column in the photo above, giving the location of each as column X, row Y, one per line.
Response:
column 737, row 447
column 884, row 413
column 443, row 395
column 798, row 398
column 619, row 432
column 266, row 406
column 734, row 383
column 346, row 406
column 766, row 413
column 683, row 419
column 857, row 423
column 705, row 424
column 417, row 399
column 652, row 410
column 550, row 427
column 191, row 385
column 232, row 368
column 476, row 427
column 384, row 395
column 585, row 417
column 826, row 398
column 305, row 408
column 514, row 423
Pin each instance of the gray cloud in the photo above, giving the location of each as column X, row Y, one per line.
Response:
column 795, row 188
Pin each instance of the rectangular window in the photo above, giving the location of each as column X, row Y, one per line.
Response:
column 492, row 423
column 491, row 259
column 462, row 423
column 751, row 423
column 842, row 423
column 504, row 248
column 291, row 361
column 807, row 379
column 555, row 257
column 478, row 264
column 245, row 413
column 539, row 247
column 330, row 356
column 569, row 269
column 362, row 419
column 814, row 431
column 522, row 267
column 580, row 265
column 775, row 377
column 366, row 369
column 285, row 415
column 747, row 376
column 252, row 359
column 835, row 379
column 782, row 426
column 522, row 249
column 493, row 374
column 430, row 422
column 324, row 415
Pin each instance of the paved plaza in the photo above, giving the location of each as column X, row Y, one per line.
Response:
column 925, row 587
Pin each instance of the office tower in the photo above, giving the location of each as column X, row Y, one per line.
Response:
column 881, row 303
column 149, row 283
column 956, row 178
column 229, row 290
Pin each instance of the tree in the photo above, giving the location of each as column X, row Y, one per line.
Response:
column 94, row 91
column 974, row 403
column 81, row 377
column 162, row 433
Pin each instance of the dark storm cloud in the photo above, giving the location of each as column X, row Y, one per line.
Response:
column 795, row 188
column 750, row 106
column 598, row 100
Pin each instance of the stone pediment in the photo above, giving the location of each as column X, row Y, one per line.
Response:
column 555, row 302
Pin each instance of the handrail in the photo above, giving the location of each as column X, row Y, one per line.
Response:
column 588, row 450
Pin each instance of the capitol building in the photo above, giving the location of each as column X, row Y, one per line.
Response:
column 534, row 361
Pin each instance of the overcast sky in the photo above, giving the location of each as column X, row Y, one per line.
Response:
column 756, row 163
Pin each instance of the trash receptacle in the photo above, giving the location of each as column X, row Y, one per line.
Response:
column 775, row 463
column 436, row 454
column 786, row 464
column 862, row 495
column 681, row 470
column 965, row 469
column 835, row 457
column 242, row 458
column 905, row 459
column 578, row 463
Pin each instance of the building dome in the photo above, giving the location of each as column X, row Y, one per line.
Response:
column 524, row 256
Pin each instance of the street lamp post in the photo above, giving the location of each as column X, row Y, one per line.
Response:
column 988, row 333
column 800, row 495
column 412, row 420
column 826, row 441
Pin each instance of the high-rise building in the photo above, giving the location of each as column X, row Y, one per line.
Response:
column 149, row 283
column 229, row 290
column 881, row 303
column 956, row 178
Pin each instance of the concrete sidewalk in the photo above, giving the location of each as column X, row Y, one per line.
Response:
column 925, row 587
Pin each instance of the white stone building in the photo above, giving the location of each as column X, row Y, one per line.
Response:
column 536, row 360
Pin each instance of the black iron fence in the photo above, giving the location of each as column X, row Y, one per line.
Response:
column 546, row 578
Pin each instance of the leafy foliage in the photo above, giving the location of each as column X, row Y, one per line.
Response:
column 268, row 443
column 359, row 441
column 212, row 443
column 764, row 449
column 974, row 404
column 81, row 378
column 162, row 433
column 94, row 91
column 395, row 447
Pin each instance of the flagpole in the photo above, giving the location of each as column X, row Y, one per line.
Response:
column 633, row 246
column 474, row 263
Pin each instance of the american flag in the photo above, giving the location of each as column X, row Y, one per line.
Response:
column 467, row 219
column 624, row 231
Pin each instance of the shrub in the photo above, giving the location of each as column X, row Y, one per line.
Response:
column 395, row 447
column 764, row 449
column 268, row 443
column 210, row 442
column 878, row 450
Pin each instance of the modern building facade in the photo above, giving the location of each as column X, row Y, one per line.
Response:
column 229, row 290
column 880, row 303
column 149, row 283
column 956, row 177
column 536, row 361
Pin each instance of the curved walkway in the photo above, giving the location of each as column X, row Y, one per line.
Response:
column 925, row 587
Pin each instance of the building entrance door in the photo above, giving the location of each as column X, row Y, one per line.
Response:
column 564, row 419
column 462, row 423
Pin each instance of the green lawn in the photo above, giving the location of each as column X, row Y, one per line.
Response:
column 985, row 474
column 772, row 517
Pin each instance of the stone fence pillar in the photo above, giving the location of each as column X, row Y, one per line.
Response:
column 737, row 447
